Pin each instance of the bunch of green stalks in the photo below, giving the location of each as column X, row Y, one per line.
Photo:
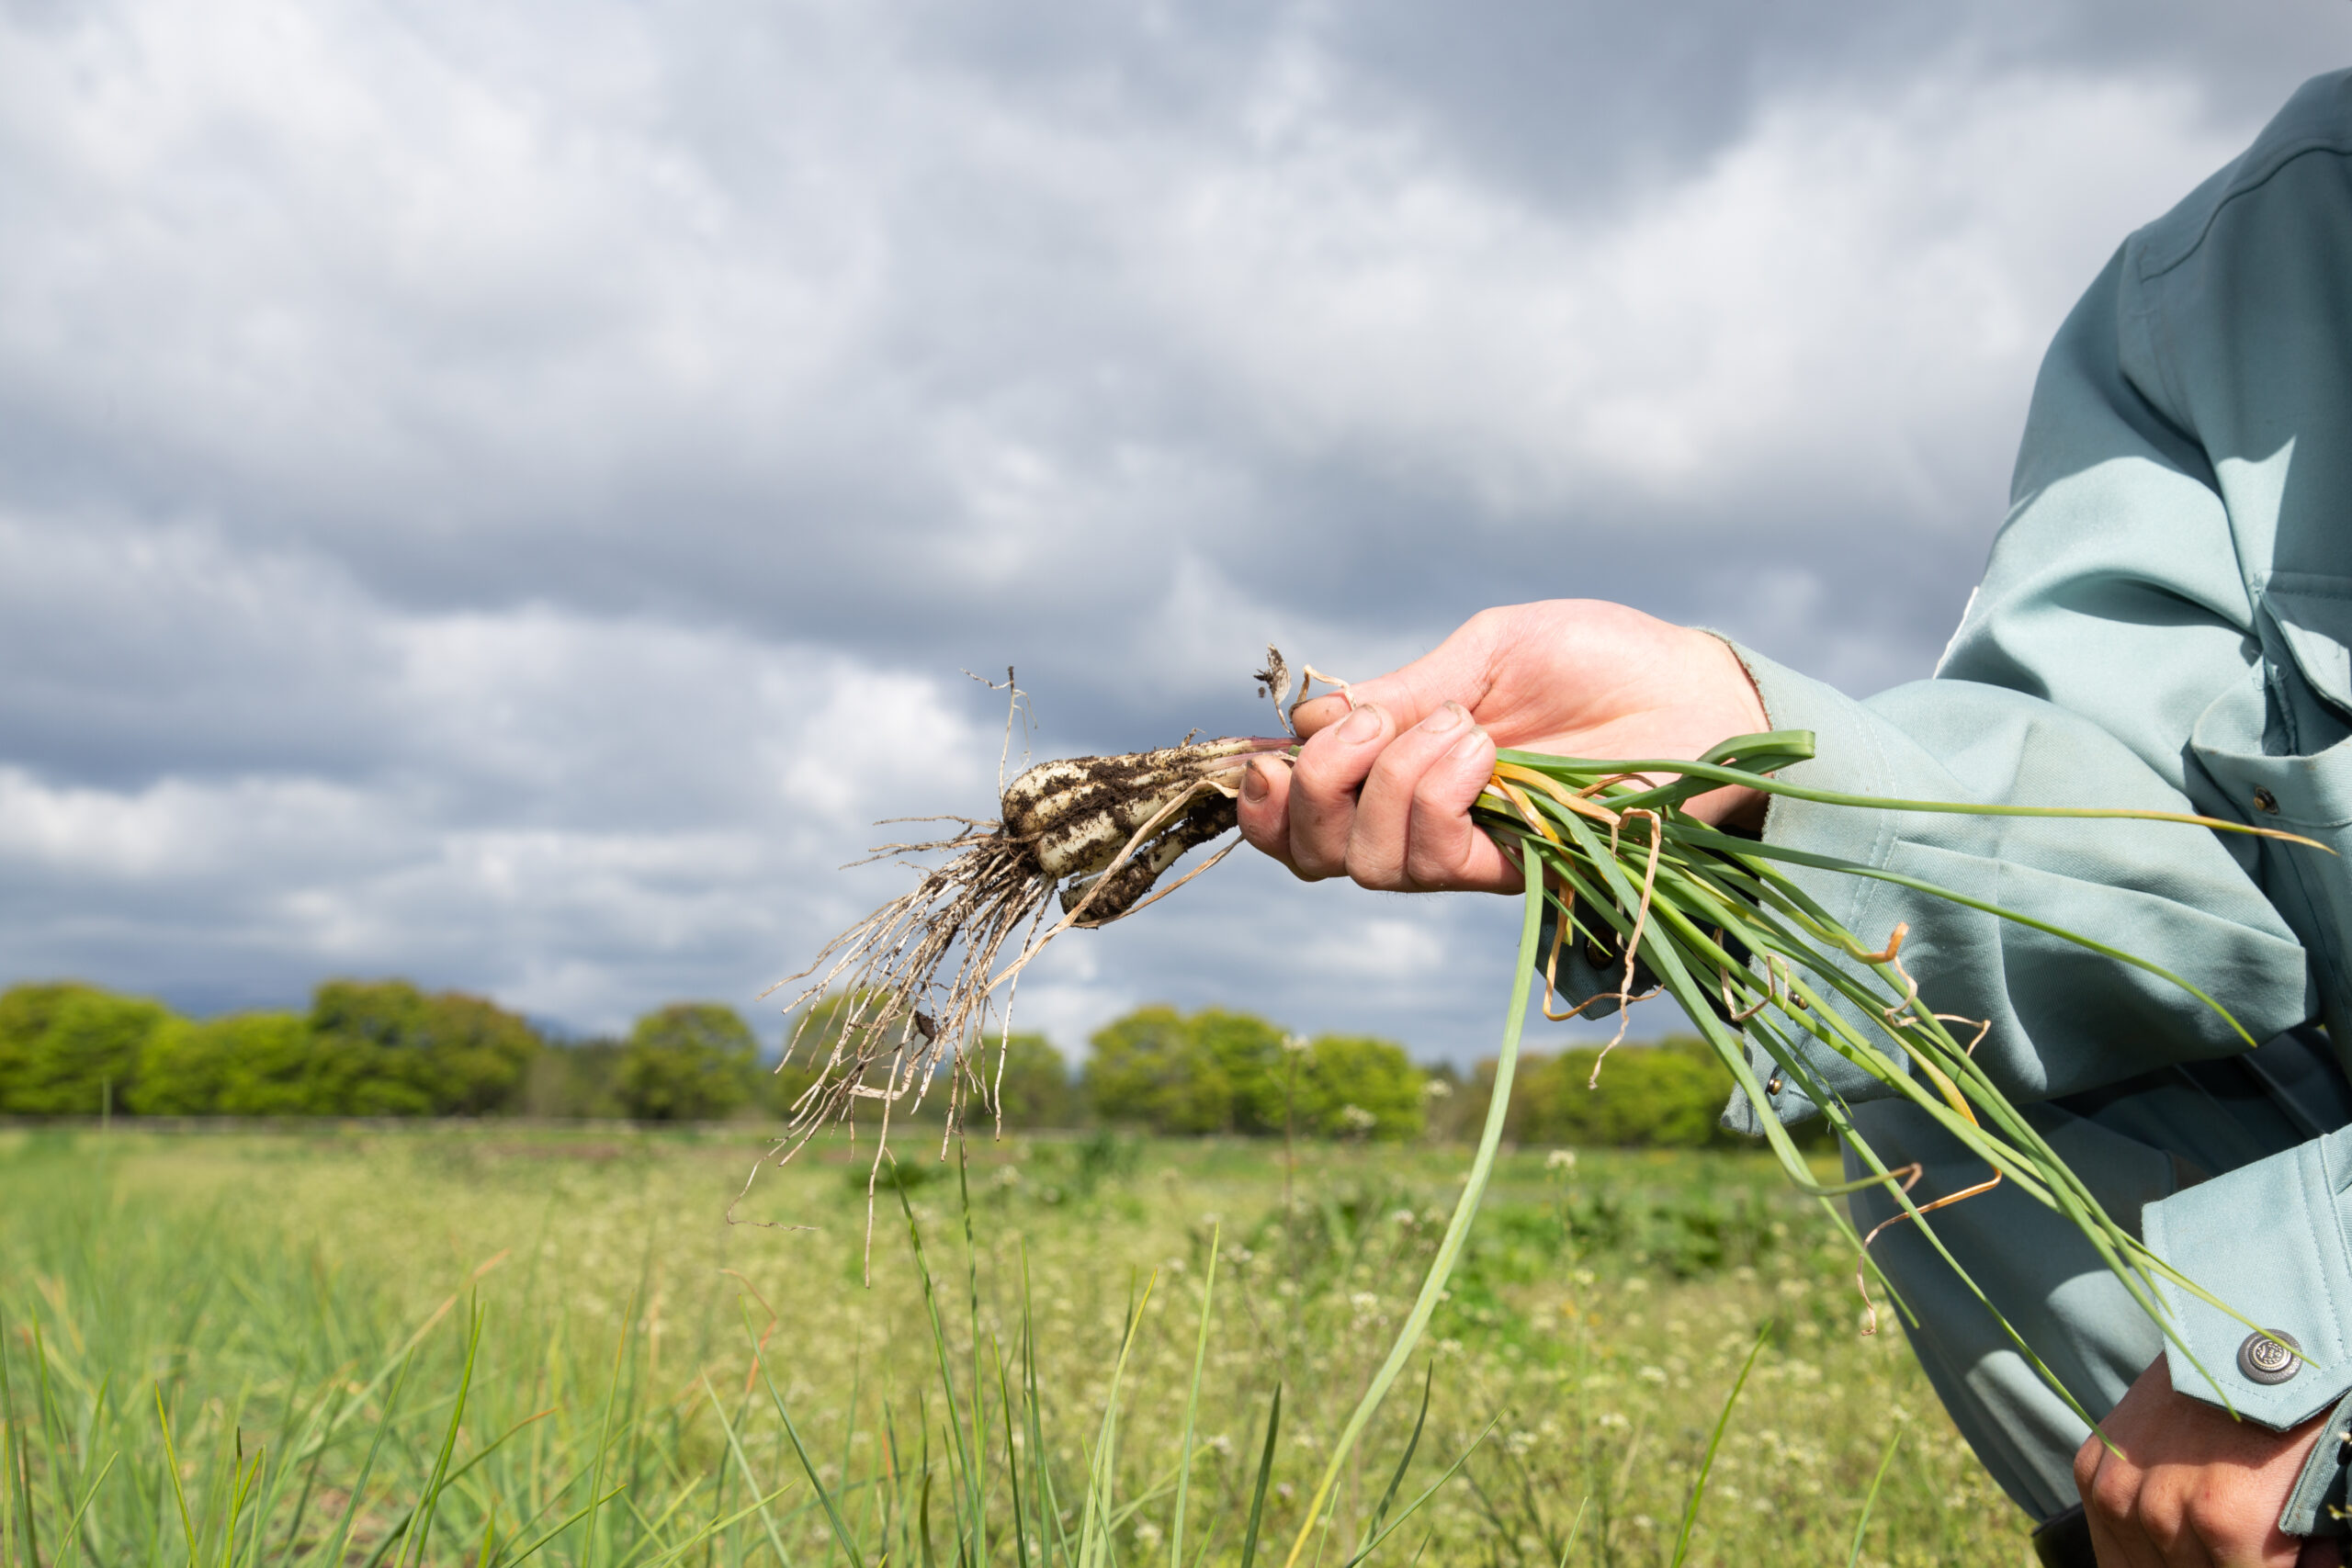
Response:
column 1717, row 921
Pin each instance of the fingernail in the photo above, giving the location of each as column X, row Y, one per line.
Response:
column 1469, row 744
column 1254, row 788
column 1361, row 725
column 1452, row 715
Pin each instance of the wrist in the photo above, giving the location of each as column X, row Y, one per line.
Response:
column 1742, row 712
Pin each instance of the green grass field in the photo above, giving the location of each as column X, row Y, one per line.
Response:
column 501, row 1346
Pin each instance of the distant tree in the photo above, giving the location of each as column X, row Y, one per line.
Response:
column 367, row 1051
column 1153, row 1069
column 574, row 1081
column 480, row 1054
column 1249, row 1054
column 1669, row 1095
column 1030, row 1080
column 247, row 1063
column 687, row 1062
column 63, row 1043
column 1217, row 1071
column 1375, row 1080
column 384, row 1048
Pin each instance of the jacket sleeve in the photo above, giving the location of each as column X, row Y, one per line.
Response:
column 2136, row 642
column 2111, row 616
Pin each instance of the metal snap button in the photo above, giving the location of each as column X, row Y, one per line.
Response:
column 2264, row 800
column 2270, row 1357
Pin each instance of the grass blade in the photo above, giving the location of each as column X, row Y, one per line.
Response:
column 1265, row 1470
column 1192, row 1406
column 1415, row 1506
column 1458, row 1230
column 743, row 1465
column 1871, row 1500
column 1094, row 1529
column 833, row 1513
column 430, row 1502
column 73, row 1526
column 604, row 1428
column 1714, row 1441
column 586, row 1508
column 1404, row 1463
column 172, row 1463
column 367, row 1466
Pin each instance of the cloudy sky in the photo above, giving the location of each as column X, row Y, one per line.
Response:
column 503, row 493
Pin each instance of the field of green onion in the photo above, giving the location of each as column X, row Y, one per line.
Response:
column 503, row 1346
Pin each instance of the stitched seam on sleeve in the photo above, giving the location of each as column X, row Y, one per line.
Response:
column 2328, row 1267
column 2322, row 1153
column 2325, row 143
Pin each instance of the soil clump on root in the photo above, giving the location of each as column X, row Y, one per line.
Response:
column 928, row 973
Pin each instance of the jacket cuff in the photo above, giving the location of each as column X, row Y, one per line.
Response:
column 2316, row 1506
column 1849, row 756
column 2266, row 1238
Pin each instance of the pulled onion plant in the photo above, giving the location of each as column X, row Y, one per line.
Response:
column 1713, row 920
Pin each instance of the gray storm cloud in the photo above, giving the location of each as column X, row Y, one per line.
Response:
column 505, row 495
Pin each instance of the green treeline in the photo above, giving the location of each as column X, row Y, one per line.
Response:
column 1228, row 1072
column 386, row 1048
column 1669, row 1095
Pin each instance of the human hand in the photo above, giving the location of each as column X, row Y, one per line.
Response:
column 1383, row 793
column 2193, row 1487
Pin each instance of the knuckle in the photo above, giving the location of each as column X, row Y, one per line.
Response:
column 1375, row 863
column 1311, row 785
column 1427, row 867
column 1434, row 794
column 1327, row 780
column 1305, row 860
column 2113, row 1493
column 2086, row 1463
column 1312, row 867
column 2212, row 1514
column 1493, row 623
column 1319, row 849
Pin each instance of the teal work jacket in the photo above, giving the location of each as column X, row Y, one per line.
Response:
column 2166, row 621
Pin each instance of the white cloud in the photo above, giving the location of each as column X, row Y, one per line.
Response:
column 1765, row 318
column 505, row 494
column 175, row 830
